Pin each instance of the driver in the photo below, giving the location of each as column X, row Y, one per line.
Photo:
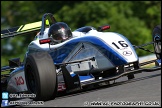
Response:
column 60, row 32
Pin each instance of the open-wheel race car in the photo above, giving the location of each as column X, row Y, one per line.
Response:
column 89, row 56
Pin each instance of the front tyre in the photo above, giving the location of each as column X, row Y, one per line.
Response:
column 157, row 39
column 40, row 75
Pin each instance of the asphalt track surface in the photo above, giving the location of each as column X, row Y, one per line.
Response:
column 142, row 91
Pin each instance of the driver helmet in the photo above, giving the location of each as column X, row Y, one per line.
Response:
column 60, row 32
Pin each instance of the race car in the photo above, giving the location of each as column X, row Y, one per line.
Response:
column 90, row 56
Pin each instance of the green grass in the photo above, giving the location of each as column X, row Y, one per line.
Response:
column 6, row 72
column 149, row 65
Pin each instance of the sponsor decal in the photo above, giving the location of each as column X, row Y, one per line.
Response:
column 127, row 53
column 61, row 87
column 19, row 80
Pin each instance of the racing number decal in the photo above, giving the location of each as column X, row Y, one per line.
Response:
column 121, row 43
column 19, row 80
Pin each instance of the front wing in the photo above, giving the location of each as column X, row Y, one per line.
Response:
column 73, row 83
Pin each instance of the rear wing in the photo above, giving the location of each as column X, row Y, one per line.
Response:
column 23, row 29
column 47, row 20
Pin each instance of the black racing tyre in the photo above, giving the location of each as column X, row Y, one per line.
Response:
column 157, row 39
column 40, row 75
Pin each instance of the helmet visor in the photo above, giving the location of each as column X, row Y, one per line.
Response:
column 62, row 35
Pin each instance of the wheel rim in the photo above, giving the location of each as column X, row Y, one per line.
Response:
column 31, row 80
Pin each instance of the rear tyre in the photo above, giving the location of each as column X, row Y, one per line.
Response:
column 157, row 39
column 40, row 75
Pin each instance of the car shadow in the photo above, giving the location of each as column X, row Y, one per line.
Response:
column 107, row 86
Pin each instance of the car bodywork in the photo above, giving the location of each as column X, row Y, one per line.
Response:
column 90, row 57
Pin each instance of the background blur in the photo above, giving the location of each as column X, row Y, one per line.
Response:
column 133, row 19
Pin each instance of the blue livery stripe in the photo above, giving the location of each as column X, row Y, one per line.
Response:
column 62, row 52
column 21, row 68
column 84, row 78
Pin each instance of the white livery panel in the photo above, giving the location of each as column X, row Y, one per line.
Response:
column 118, row 43
column 17, row 82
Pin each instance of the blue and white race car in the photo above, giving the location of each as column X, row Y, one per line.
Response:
column 89, row 57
